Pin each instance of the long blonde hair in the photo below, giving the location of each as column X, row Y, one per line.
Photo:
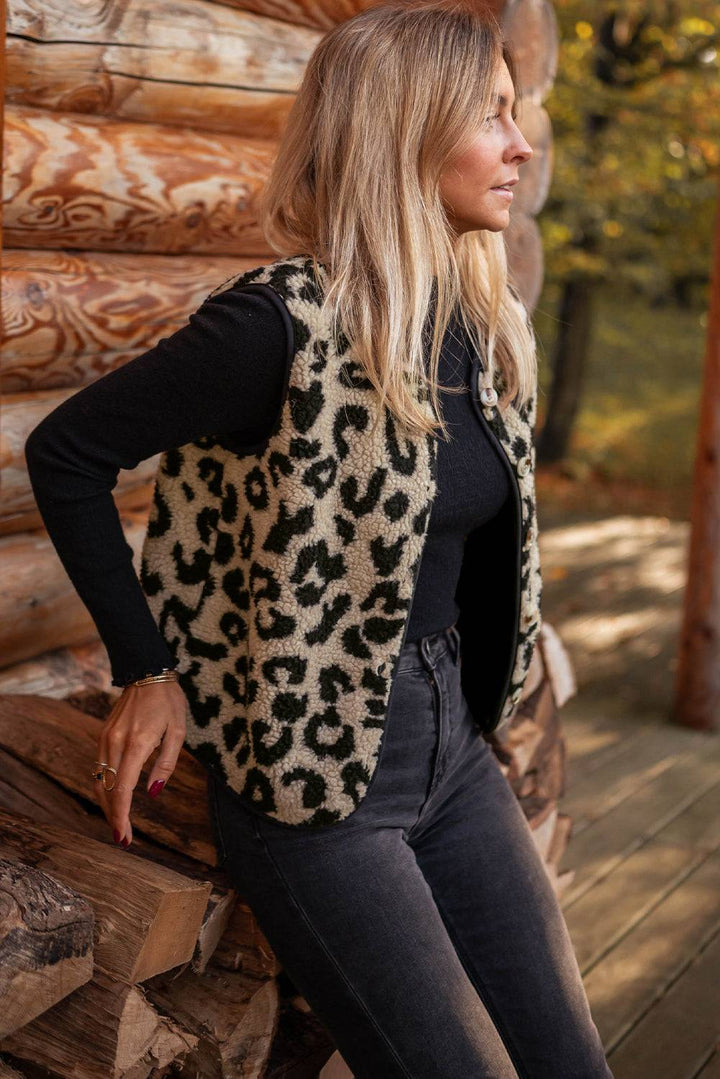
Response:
column 386, row 98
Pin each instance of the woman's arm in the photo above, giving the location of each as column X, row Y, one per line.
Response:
column 224, row 373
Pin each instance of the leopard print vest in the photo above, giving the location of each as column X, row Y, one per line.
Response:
column 282, row 580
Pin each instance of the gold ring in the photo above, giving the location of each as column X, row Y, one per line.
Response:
column 98, row 765
column 107, row 768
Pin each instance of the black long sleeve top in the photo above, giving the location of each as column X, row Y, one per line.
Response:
column 224, row 374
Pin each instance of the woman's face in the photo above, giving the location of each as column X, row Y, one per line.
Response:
column 468, row 183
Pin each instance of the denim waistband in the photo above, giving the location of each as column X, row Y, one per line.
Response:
column 426, row 651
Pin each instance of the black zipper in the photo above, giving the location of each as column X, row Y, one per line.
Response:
column 437, row 705
column 518, row 547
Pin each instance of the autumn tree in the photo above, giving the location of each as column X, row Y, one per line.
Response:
column 636, row 118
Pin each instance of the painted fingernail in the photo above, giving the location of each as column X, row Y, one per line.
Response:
column 126, row 842
column 156, row 787
column 116, row 835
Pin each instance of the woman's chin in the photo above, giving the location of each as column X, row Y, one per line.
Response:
column 498, row 222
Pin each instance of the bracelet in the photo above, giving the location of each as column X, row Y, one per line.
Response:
column 168, row 674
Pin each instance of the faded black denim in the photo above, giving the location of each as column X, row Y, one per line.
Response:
column 423, row 929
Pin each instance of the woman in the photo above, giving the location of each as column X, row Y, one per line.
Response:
column 336, row 603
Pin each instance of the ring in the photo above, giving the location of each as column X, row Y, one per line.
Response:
column 104, row 767
column 107, row 768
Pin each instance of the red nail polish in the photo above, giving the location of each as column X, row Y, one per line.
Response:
column 126, row 842
column 156, row 787
column 116, row 835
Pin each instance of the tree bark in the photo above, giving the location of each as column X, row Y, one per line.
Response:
column 569, row 362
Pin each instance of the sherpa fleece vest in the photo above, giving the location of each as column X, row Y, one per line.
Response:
column 282, row 579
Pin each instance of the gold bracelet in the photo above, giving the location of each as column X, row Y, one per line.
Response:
column 167, row 674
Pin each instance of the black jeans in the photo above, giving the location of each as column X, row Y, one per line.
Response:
column 423, row 929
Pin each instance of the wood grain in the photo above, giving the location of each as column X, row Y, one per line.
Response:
column 101, row 1031
column 190, row 63
column 46, row 935
column 69, row 317
column 94, row 183
column 62, row 742
column 39, row 606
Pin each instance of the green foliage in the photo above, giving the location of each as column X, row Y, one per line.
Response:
column 638, row 420
column 635, row 111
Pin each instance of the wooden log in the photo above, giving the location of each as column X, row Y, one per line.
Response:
column 69, row 317
column 227, row 920
column 531, row 27
column 60, row 673
column 542, row 824
column 196, row 64
column 46, row 930
column 134, row 498
column 27, row 791
column 336, row 1068
column 228, row 924
column 22, row 412
column 30, row 793
column 148, row 917
column 525, row 256
column 302, row 1044
column 243, row 945
column 321, row 13
column 696, row 693
column 556, row 661
column 530, row 749
column 560, row 838
column 102, row 1031
column 233, row 1015
column 316, row 13
column 62, row 742
column 3, row 83
column 536, row 174
column 9, row 1071
column 111, row 185
column 40, row 608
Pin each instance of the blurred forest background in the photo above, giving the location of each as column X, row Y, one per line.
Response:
column 627, row 233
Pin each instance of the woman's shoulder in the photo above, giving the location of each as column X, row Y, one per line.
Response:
column 281, row 276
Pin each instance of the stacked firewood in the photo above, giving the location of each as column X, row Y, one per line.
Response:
column 131, row 963
column 531, row 750
column 146, row 962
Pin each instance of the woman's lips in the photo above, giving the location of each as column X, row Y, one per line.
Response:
column 505, row 191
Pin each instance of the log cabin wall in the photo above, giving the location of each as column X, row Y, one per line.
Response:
column 137, row 135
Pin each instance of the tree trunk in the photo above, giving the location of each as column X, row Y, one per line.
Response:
column 571, row 349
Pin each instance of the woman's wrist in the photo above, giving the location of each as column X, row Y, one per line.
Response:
column 167, row 674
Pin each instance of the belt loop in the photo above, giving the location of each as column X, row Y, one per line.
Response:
column 426, row 655
column 455, row 635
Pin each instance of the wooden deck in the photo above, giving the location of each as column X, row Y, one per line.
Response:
column 643, row 907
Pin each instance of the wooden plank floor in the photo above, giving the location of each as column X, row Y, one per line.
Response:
column 643, row 907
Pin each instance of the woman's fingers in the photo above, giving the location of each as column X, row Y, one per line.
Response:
column 144, row 718
column 110, row 753
column 167, row 759
column 136, row 751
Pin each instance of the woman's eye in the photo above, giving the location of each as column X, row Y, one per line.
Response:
column 489, row 119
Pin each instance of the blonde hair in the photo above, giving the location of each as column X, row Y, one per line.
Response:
column 386, row 98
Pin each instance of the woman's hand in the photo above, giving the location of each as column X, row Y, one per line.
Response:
column 143, row 718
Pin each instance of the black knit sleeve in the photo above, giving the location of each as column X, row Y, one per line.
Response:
column 226, row 374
